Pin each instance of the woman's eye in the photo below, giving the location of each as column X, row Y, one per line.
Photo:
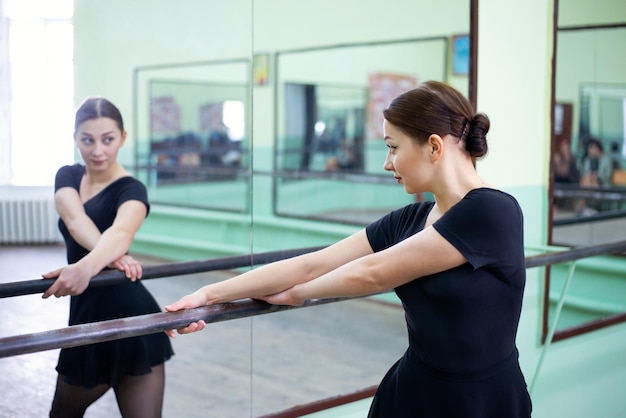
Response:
column 108, row 139
column 87, row 141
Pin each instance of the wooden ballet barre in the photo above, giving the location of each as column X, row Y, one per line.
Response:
column 27, row 287
column 133, row 326
column 575, row 254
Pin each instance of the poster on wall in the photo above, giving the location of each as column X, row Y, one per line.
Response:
column 460, row 54
column 261, row 64
column 212, row 117
column 383, row 88
column 164, row 115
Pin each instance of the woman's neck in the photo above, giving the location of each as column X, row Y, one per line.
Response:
column 456, row 186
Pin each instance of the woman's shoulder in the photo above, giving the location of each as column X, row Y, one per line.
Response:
column 492, row 200
column 129, row 188
column 125, row 180
column 411, row 212
column 415, row 209
column 73, row 169
column 489, row 192
column 69, row 176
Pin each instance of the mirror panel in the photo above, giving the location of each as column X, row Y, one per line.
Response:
column 327, row 60
column 589, row 97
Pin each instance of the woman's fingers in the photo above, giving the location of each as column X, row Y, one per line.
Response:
column 193, row 327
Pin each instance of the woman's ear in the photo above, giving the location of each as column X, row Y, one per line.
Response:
column 435, row 146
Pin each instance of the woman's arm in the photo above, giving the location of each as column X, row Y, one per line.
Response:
column 423, row 254
column 82, row 228
column 362, row 273
column 113, row 244
column 278, row 276
column 71, row 210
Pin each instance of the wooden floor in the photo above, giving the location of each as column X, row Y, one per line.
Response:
column 240, row 368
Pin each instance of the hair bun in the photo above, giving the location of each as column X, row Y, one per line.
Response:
column 476, row 139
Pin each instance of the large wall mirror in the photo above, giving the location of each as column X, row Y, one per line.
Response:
column 332, row 69
column 328, row 150
column 193, row 133
column 588, row 184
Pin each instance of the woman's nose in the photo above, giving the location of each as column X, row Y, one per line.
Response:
column 98, row 148
column 388, row 165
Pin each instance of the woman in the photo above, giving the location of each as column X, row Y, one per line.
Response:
column 101, row 207
column 597, row 167
column 457, row 264
column 565, row 166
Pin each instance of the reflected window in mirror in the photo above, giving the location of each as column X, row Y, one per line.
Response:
column 324, row 127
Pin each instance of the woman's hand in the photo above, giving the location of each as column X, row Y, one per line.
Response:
column 70, row 280
column 193, row 300
column 132, row 268
column 193, row 327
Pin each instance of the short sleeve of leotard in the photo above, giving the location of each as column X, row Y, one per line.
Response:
column 132, row 189
column 69, row 176
column 486, row 226
column 397, row 225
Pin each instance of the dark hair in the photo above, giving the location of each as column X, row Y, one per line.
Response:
column 98, row 107
column 596, row 142
column 436, row 108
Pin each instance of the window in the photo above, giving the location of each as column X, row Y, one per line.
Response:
column 40, row 53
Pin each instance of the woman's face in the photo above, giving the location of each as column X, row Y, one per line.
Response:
column 594, row 151
column 99, row 141
column 409, row 161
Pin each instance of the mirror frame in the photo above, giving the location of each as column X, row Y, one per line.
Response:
column 561, row 334
column 143, row 85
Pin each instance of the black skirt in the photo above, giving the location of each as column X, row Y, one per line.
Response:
column 412, row 389
column 107, row 362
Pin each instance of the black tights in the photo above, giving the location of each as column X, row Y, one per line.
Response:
column 137, row 396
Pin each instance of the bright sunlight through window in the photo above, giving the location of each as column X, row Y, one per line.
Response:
column 42, row 88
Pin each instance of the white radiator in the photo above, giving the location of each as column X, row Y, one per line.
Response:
column 28, row 216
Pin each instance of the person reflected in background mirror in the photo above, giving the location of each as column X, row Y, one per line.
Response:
column 596, row 167
column 616, row 156
column 596, row 172
column 565, row 164
column 565, row 168
column 101, row 207
column 343, row 159
column 456, row 263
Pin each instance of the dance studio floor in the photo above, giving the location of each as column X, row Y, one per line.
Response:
column 240, row 368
